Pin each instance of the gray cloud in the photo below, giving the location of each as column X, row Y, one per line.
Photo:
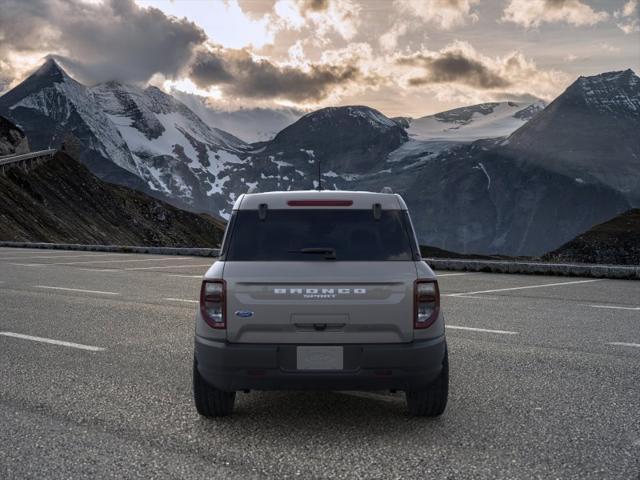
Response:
column 454, row 67
column 237, row 73
column 115, row 39
column 314, row 5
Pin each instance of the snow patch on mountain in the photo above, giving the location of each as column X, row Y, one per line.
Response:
column 467, row 124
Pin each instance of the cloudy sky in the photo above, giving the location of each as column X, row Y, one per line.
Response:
column 403, row 57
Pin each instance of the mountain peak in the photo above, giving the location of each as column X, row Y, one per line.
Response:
column 617, row 91
column 52, row 70
column 353, row 113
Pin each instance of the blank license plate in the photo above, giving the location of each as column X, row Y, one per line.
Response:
column 320, row 358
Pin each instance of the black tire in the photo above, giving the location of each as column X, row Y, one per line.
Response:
column 432, row 401
column 211, row 402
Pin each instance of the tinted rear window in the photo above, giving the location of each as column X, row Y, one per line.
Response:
column 354, row 235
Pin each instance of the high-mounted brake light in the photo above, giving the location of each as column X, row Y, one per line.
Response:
column 320, row 203
column 213, row 303
column 426, row 303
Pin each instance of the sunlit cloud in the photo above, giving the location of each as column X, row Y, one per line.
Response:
column 533, row 13
column 445, row 14
column 629, row 22
column 223, row 21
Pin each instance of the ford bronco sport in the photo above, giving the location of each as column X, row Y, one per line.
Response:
column 320, row 290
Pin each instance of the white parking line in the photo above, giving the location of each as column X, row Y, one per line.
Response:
column 101, row 261
column 182, row 276
column 181, row 300
column 521, row 288
column 99, row 269
column 471, row 296
column 623, row 344
column 614, row 307
column 451, row 274
column 472, row 329
column 168, row 266
column 53, row 342
column 25, row 257
column 76, row 290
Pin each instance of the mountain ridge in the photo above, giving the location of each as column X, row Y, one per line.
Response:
column 483, row 195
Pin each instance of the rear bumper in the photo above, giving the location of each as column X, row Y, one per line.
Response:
column 405, row 366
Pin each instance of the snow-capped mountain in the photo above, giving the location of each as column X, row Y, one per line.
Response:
column 591, row 132
column 50, row 103
column 142, row 138
column 466, row 124
column 488, row 195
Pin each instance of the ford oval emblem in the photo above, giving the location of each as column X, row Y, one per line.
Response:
column 244, row 313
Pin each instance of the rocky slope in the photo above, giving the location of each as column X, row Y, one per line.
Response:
column 616, row 241
column 12, row 139
column 61, row 201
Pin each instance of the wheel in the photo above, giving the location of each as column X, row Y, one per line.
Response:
column 432, row 401
column 211, row 402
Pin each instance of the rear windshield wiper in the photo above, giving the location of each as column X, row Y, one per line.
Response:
column 329, row 253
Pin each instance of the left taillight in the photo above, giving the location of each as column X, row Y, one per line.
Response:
column 212, row 303
column 426, row 303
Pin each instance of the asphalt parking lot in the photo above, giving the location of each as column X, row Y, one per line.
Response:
column 95, row 382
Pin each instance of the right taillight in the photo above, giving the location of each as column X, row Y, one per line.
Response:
column 426, row 303
column 212, row 303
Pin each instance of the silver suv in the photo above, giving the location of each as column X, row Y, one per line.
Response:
column 320, row 290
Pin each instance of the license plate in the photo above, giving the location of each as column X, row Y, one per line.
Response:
column 320, row 358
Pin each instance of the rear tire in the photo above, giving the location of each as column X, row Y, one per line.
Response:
column 432, row 401
column 211, row 402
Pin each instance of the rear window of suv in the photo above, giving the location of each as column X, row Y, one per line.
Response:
column 319, row 235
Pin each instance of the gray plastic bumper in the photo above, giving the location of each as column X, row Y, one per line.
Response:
column 406, row 366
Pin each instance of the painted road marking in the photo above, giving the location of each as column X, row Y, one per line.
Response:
column 451, row 274
column 28, row 257
column 471, row 296
column 614, row 307
column 76, row 290
column 101, row 261
column 181, row 300
column 472, row 329
column 522, row 288
column 182, row 276
column 99, row 269
column 167, row 266
column 624, row 344
column 53, row 342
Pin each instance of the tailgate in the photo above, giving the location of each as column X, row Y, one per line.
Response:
column 320, row 302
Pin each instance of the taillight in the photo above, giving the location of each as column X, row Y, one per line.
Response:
column 426, row 303
column 212, row 303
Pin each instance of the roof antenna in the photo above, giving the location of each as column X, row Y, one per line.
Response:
column 319, row 176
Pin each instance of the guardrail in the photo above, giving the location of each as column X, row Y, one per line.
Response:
column 25, row 159
column 197, row 252
column 631, row 272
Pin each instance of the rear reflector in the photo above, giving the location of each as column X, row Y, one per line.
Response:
column 320, row 203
